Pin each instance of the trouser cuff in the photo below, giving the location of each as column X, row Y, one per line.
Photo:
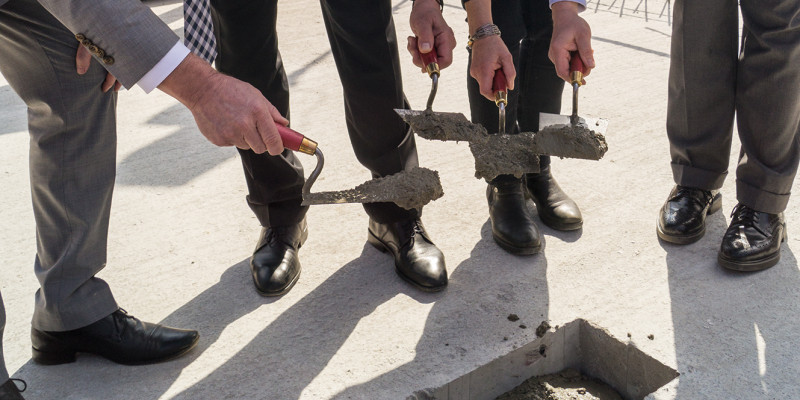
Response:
column 693, row 177
column 759, row 199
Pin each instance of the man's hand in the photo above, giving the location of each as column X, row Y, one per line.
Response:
column 570, row 33
column 431, row 32
column 82, row 60
column 228, row 112
column 488, row 55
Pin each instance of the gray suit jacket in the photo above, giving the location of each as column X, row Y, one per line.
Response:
column 125, row 30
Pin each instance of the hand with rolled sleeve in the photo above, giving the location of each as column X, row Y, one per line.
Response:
column 432, row 32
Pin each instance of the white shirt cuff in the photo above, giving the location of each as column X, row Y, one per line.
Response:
column 581, row 2
column 163, row 68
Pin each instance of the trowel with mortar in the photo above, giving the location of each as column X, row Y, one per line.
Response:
column 408, row 189
column 502, row 153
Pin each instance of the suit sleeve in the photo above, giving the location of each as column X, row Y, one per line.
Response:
column 129, row 38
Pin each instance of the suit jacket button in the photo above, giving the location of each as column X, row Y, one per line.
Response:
column 108, row 60
column 80, row 37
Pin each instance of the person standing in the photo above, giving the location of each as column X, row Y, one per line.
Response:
column 713, row 80
column 364, row 46
column 518, row 35
column 63, row 58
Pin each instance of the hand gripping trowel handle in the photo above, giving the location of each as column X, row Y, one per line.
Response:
column 430, row 59
column 500, row 89
column 576, row 72
column 296, row 141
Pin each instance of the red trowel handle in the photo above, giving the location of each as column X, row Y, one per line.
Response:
column 499, row 87
column 431, row 61
column 294, row 140
column 576, row 68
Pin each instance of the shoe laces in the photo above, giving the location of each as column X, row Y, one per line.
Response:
column 744, row 215
column 684, row 191
column 24, row 384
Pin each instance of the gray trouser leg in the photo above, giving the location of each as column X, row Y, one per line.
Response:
column 702, row 85
column 768, row 103
column 3, row 370
column 72, row 163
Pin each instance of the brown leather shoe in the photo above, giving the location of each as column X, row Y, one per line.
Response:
column 416, row 259
column 275, row 263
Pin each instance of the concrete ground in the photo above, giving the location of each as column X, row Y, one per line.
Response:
column 181, row 234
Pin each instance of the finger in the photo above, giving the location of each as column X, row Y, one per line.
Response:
column 117, row 86
column 276, row 116
column 509, row 71
column 485, row 78
column 412, row 48
column 269, row 135
column 82, row 60
column 586, row 52
column 425, row 38
column 560, row 58
column 445, row 43
column 108, row 83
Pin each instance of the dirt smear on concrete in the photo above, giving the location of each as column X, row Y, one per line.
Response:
column 408, row 189
column 568, row 384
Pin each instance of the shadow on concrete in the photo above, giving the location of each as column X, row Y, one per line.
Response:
column 484, row 289
column 730, row 324
column 186, row 153
column 14, row 107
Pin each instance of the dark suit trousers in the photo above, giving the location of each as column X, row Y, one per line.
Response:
column 526, row 28
column 364, row 47
column 711, row 82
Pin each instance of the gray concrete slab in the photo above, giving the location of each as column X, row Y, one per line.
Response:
column 181, row 234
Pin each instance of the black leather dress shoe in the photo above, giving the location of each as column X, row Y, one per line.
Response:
column 753, row 240
column 275, row 263
column 10, row 391
column 416, row 259
column 513, row 228
column 118, row 337
column 555, row 208
column 682, row 219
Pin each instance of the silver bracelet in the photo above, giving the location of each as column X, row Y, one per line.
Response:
column 483, row 32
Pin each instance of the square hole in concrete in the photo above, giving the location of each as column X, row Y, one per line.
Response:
column 579, row 345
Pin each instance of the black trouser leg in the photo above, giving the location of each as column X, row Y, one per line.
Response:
column 247, row 43
column 364, row 47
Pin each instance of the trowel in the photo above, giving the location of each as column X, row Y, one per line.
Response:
column 570, row 135
column 408, row 189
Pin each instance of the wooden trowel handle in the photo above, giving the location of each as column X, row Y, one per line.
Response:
column 431, row 61
column 576, row 68
column 499, row 87
column 295, row 141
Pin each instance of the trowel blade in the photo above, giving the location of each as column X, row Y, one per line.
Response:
column 598, row 125
column 408, row 189
column 442, row 125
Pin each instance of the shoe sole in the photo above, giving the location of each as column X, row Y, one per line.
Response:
column 716, row 205
column 754, row 265
column 515, row 250
column 69, row 356
column 383, row 248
